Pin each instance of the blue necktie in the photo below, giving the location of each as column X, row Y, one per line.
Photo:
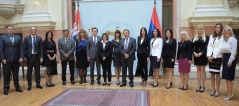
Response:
column 34, row 45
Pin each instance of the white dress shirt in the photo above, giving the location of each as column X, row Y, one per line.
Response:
column 33, row 43
column 230, row 46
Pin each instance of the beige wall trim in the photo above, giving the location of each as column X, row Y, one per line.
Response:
column 211, row 20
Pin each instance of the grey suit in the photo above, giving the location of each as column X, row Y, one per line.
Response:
column 129, row 62
column 92, row 52
column 33, row 59
column 11, row 52
column 67, row 48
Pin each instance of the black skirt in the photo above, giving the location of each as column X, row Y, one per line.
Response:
column 228, row 73
column 215, row 66
column 167, row 62
column 153, row 62
column 200, row 61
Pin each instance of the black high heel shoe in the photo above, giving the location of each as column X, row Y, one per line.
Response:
column 181, row 88
column 167, row 87
column 198, row 90
column 48, row 85
column 202, row 90
column 185, row 88
column 154, row 85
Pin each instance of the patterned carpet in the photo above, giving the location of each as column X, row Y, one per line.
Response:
column 81, row 97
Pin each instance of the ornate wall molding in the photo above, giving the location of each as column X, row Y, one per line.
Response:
column 233, row 3
column 9, row 10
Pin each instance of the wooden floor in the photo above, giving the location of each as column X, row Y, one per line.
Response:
column 159, row 96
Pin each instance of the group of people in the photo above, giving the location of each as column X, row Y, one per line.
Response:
column 218, row 49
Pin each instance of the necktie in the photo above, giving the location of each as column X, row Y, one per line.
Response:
column 34, row 45
column 126, row 45
column 95, row 40
column 12, row 40
column 66, row 40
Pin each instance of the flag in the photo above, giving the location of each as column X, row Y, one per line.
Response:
column 77, row 26
column 154, row 23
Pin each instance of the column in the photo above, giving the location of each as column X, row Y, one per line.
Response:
column 210, row 8
column 36, row 10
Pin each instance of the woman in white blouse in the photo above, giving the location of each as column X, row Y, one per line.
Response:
column 215, row 58
column 156, row 44
column 229, row 51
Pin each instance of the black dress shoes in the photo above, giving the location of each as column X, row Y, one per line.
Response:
column 19, row 89
column 29, row 88
column 131, row 85
column 98, row 82
column 72, row 82
column 121, row 85
column 92, row 83
column 39, row 86
column 64, row 83
column 5, row 91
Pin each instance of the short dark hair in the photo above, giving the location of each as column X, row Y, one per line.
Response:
column 65, row 30
column 146, row 34
column 158, row 31
column 105, row 34
column 95, row 28
column 171, row 32
column 9, row 26
column 118, row 32
column 126, row 30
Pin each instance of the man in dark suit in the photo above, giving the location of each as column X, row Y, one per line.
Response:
column 33, row 56
column 66, row 46
column 127, row 49
column 11, row 53
column 92, row 55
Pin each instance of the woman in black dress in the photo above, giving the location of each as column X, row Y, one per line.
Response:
column 105, row 56
column 143, row 54
column 199, row 45
column 116, row 55
column 81, row 58
column 49, row 49
column 168, row 55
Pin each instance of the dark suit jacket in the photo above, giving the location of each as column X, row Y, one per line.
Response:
column 11, row 52
column 92, row 49
column 145, row 46
column 105, row 53
column 185, row 50
column 28, row 47
column 130, row 51
column 169, row 49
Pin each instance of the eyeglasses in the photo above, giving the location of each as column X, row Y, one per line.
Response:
column 227, row 31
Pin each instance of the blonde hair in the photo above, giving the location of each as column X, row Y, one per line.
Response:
column 203, row 33
column 184, row 33
column 231, row 31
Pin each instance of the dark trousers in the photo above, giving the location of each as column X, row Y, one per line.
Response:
column 71, row 66
column 34, row 61
column 127, row 64
column 143, row 65
column 106, row 66
column 8, row 68
column 92, row 66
